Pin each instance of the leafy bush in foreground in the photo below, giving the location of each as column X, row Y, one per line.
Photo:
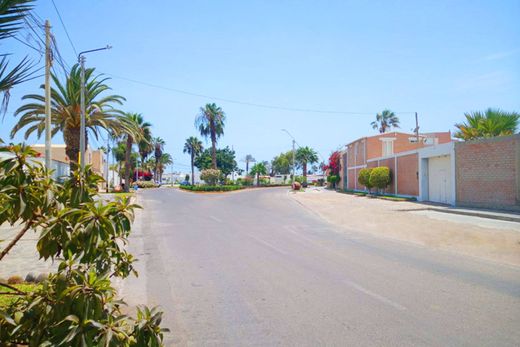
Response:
column 364, row 178
column 76, row 306
column 380, row 177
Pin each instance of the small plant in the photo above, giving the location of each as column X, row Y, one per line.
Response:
column 210, row 176
column 380, row 177
column 146, row 184
column 364, row 178
column 333, row 179
column 207, row 188
column 15, row 280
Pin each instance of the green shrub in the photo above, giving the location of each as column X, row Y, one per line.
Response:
column 146, row 184
column 210, row 176
column 332, row 180
column 247, row 181
column 380, row 177
column 364, row 178
column 206, row 188
column 15, row 280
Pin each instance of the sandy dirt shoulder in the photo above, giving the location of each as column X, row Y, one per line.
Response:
column 494, row 240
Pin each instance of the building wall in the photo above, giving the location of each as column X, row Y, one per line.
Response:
column 488, row 173
column 408, row 178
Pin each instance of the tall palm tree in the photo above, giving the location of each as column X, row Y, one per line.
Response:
column 257, row 170
column 210, row 122
column 490, row 123
column 164, row 160
column 385, row 120
column 193, row 146
column 158, row 146
column 12, row 14
column 65, row 109
column 305, row 156
column 249, row 159
column 139, row 130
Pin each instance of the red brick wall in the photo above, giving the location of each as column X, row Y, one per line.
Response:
column 352, row 179
column 486, row 172
column 407, row 178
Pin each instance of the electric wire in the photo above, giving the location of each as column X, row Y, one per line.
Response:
column 64, row 28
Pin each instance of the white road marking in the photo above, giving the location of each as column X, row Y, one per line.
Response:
column 374, row 295
column 265, row 243
column 216, row 219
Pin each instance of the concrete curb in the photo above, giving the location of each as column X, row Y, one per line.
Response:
column 488, row 215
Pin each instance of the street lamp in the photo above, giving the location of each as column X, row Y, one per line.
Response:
column 293, row 155
column 81, row 60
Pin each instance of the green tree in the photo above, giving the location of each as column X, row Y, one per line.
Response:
column 225, row 160
column 76, row 305
column 258, row 169
column 12, row 14
column 248, row 159
column 281, row 164
column 210, row 122
column 193, row 146
column 490, row 123
column 380, row 177
column 164, row 160
column 158, row 145
column 65, row 108
column 385, row 121
column 138, row 130
column 305, row 156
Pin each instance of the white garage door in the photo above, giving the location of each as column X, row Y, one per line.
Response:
column 439, row 179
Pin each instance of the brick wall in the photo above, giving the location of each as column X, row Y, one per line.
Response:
column 488, row 172
column 407, row 178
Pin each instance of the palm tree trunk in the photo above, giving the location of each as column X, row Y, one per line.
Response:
column 192, row 169
column 305, row 169
column 127, row 162
column 247, row 166
column 71, row 137
column 213, row 145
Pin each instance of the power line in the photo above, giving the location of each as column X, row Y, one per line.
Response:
column 64, row 28
column 275, row 107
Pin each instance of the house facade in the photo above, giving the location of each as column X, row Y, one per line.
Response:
column 398, row 151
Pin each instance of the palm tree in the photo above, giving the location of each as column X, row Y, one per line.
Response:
column 65, row 110
column 249, row 159
column 193, row 146
column 139, row 130
column 12, row 14
column 164, row 160
column 210, row 122
column 158, row 146
column 258, row 169
column 490, row 123
column 305, row 156
column 385, row 120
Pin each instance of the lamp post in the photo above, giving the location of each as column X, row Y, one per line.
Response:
column 293, row 156
column 81, row 60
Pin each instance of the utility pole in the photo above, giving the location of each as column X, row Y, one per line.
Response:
column 417, row 129
column 82, row 114
column 48, row 63
column 293, row 161
column 82, row 135
column 108, row 158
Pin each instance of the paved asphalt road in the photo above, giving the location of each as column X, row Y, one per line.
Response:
column 254, row 268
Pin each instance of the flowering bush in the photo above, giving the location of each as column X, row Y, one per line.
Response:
column 334, row 165
column 210, row 176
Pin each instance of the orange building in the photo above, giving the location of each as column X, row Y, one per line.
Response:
column 396, row 150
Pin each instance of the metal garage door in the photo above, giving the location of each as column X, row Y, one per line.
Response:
column 439, row 179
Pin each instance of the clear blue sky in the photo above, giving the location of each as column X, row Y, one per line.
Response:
column 439, row 58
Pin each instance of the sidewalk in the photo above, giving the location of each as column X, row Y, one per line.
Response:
column 483, row 234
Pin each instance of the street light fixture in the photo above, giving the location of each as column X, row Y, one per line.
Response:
column 293, row 155
column 81, row 60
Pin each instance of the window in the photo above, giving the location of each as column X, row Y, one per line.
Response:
column 388, row 148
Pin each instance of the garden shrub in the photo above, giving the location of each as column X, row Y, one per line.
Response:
column 206, row 188
column 332, row 180
column 364, row 178
column 76, row 305
column 380, row 177
column 146, row 184
column 210, row 176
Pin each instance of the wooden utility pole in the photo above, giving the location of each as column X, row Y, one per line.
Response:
column 48, row 63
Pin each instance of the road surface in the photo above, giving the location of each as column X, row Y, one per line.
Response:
column 255, row 268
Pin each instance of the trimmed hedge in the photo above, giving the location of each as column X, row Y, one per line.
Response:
column 205, row 188
column 146, row 184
